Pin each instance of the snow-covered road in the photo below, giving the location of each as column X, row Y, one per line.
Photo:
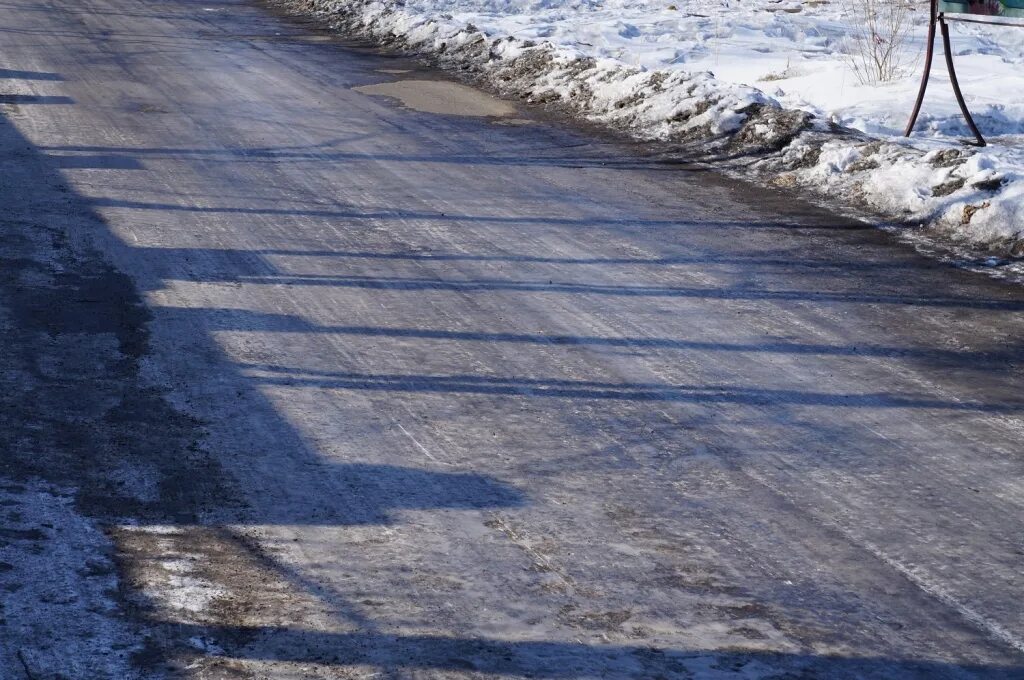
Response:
column 302, row 382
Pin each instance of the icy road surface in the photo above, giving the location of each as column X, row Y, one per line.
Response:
column 302, row 381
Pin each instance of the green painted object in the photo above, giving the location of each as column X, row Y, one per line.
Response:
column 994, row 8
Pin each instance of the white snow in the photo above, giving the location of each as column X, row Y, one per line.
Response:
column 58, row 615
column 683, row 70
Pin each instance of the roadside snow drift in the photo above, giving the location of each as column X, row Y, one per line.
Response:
column 769, row 80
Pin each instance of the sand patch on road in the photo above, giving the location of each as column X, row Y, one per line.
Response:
column 438, row 96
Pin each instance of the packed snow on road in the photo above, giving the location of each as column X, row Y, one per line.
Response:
column 810, row 86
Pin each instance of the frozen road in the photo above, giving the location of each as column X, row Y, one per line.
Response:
column 302, row 382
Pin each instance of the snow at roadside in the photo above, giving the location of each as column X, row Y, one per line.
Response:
column 59, row 616
column 742, row 74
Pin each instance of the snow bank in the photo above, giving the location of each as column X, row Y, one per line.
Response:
column 765, row 79
column 659, row 104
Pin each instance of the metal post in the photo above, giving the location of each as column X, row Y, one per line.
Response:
column 956, row 85
column 927, row 68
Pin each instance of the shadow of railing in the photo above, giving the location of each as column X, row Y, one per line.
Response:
column 975, row 360
column 708, row 293
column 595, row 390
column 323, row 153
column 798, row 261
column 14, row 74
column 569, row 660
column 335, row 213
column 34, row 99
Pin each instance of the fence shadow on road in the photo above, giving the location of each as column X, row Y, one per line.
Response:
column 974, row 360
column 568, row 660
column 6, row 73
column 20, row 99
column 594, row 390
column 323, row 153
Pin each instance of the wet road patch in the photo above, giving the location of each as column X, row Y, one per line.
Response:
column 442, row 97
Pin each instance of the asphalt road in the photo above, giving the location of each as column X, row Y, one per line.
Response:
column 310, row 383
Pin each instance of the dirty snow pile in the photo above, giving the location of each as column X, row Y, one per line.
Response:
column 773, row 80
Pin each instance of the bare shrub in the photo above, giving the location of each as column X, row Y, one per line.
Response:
column 878, row 49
